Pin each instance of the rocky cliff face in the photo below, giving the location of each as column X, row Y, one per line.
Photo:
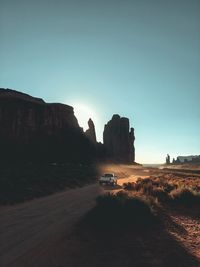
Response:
column 119, row 140
column 22, row 116
column 31, row 128
column 90, row 132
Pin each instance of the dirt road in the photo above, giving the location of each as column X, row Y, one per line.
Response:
column 39, row 233
column 30, row 231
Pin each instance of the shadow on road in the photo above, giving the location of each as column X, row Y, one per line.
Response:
column 147, row 248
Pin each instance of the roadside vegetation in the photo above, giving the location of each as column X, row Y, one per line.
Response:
column 151, row 222
column 20, row 182
column 168, row 189
column 119, row 212
column 140, row 203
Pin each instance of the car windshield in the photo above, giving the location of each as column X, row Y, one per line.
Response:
column 108, row 175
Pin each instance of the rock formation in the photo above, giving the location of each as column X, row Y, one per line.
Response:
column 187, row 159
column 34, row 130
column 119, row 140
column 90, row 132
column 168, row 159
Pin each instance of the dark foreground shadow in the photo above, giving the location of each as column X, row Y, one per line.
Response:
column 192, row 212
column 135, row 246
column 153, row 247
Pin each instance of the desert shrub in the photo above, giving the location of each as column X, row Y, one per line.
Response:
column 145, row 184
column 149, row 186
column 185, row 196
column 129, row 186
column 174, row 190
column 119, row 211
column 160, row 194
column 169, row 187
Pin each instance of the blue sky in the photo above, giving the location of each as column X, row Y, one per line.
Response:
column 137, row 58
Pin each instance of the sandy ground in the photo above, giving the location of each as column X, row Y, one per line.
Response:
column 37, row 233
column 189, row 224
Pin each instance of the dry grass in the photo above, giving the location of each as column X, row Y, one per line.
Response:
column 168, row 189
column 185, row 196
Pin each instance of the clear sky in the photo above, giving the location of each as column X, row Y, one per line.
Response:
column 137, row 58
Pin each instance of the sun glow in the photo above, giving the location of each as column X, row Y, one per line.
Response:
column 83, row 112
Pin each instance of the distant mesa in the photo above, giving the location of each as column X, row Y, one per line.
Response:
column 187, row 159
column 119, row 139
column 33, row 130
column 183, row 159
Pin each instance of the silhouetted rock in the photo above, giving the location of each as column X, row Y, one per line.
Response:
column 119, row 140
column 168, row 159
column 90, row 132
column 31, row 129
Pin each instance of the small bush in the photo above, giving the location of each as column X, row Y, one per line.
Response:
column 185, row 196
column 129, row 186
column 160, row 194
column 118, row 212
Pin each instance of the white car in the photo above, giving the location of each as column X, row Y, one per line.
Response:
column 108, row 179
